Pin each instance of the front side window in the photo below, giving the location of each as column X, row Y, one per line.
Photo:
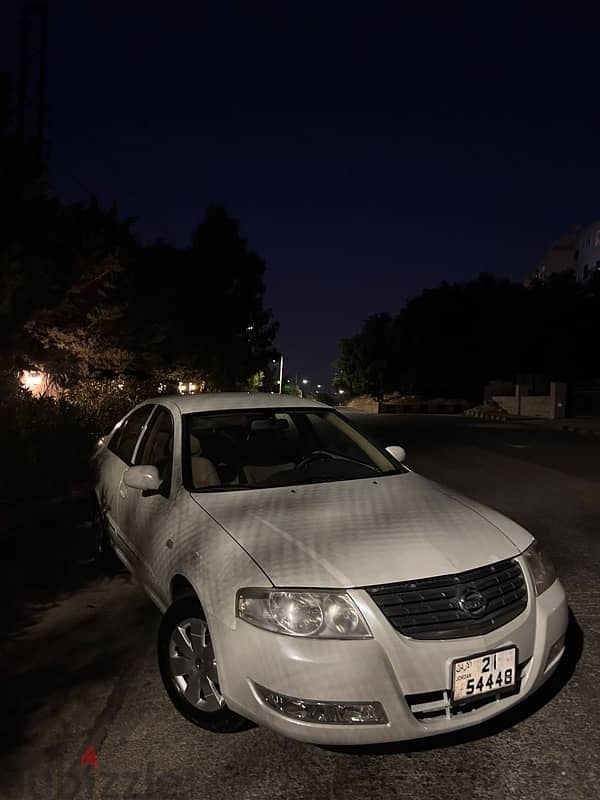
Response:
column 124, row 439
column 261, row 449
column 156, row 448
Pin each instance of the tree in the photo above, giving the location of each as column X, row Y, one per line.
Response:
column 80, row 327
column 202, row 308
column 364, row 361
column 25, row 219
column 80, row 297
column 451, row 340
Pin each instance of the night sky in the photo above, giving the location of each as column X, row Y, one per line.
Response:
column 368, row 152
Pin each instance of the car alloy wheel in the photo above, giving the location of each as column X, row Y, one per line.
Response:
column 189, row 671
column 193, row 665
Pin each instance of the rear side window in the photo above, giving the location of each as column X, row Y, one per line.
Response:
column 125, row 438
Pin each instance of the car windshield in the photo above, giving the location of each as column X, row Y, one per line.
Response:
column 260, row 449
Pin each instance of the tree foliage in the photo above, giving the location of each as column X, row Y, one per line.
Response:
column 364, row 364
column 451, row 340
column 82, row 299
column 201, row 308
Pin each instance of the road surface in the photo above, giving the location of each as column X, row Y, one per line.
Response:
column 79, row 667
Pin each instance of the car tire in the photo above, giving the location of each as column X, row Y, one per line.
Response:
column 104, row 553
column 189, row 671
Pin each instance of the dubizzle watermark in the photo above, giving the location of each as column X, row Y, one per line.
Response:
column 89, row 758
column 89, row 780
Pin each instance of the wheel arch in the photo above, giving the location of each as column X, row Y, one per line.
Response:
column 180, row 586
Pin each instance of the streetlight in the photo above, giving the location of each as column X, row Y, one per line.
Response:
column 305, row 381
column 280, row 381
column 341, row 391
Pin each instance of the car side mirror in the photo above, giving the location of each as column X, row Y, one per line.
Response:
column 397, row 452
column 145, row 478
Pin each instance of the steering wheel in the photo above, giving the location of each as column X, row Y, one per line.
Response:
column 316, row 455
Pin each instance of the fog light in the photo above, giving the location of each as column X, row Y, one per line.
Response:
column 555, row 650
column 324, row 712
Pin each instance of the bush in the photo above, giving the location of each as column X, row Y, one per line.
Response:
column 102, row 402
column 47, row 442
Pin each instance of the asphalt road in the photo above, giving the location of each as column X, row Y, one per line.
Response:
column 79, row 667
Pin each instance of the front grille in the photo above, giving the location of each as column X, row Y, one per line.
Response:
column 429, row 608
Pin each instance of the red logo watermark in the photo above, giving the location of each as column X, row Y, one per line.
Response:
column 89, row 758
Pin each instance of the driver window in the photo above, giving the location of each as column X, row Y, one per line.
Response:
column 156, row 449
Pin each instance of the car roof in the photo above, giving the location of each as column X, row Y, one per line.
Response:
column 233, row 401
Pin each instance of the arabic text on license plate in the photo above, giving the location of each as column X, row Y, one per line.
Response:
column 492, row 672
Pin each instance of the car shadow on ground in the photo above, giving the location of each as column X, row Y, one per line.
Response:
column 48, row 560
column 47, row 554
column 505, row 721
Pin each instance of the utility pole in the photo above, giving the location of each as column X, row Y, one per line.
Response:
column 32, row 78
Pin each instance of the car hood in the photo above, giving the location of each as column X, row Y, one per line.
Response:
column 363, row 532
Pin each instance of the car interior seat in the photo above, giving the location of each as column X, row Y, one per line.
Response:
column 266, row 454
column 204, row 472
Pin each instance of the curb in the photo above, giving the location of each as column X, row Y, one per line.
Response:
column 589, row 433
column 581, row 431
column 490, row 417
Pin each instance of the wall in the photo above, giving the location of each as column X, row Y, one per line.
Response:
column 506, row 401
column 548, row 406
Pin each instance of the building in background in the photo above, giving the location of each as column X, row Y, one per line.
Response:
column 578, row 251
column 559, row 257
column 587, row 255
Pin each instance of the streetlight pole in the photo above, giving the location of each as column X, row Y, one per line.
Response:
column 281, row 374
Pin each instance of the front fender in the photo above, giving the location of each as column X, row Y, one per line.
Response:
column 212, row 561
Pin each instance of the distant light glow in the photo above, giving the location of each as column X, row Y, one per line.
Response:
column 35, row 381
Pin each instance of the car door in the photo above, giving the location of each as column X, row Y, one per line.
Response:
column 145, row 516
column 117, row 458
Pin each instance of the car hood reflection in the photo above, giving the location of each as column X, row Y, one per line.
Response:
column 363, row 532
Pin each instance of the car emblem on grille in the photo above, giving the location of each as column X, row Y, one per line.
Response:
column 473, row 603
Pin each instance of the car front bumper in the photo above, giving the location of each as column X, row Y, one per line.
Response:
column 389, row 669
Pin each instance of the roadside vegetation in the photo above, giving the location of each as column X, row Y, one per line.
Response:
column 451, row 340
column 108, row 320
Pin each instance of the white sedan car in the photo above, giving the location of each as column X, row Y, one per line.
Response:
column 311, row 583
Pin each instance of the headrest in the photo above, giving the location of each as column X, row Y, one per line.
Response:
column 195, row 447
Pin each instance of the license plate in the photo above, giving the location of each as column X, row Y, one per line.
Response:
column 489, row 673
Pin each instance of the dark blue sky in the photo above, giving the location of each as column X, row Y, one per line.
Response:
column 367, row 151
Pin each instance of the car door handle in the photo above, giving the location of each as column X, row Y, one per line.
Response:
column 169, row 543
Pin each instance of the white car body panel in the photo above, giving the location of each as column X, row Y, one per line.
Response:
column 359, row 532
column 336, row 535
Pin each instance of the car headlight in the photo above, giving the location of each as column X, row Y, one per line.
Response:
column 306, row 613
column 540, row 567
